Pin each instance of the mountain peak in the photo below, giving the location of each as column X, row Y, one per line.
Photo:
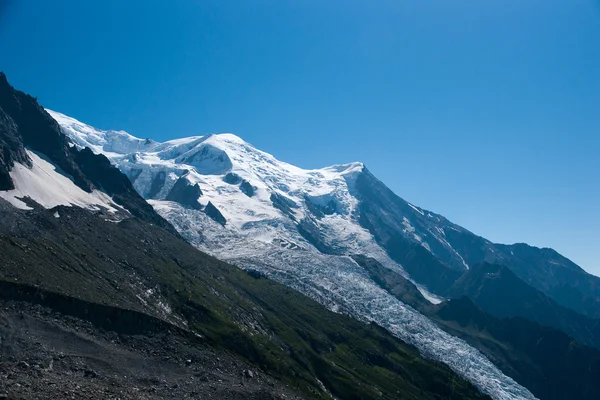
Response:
column 3, row 78
column 348, row 168
column 228, row 137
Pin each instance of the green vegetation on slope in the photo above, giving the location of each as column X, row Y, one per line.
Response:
column 279, row 330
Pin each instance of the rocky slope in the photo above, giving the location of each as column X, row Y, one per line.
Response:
column 550, row 363
column 51, row 349
column 37, row 163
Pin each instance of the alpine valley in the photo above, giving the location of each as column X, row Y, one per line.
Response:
column 203, row 266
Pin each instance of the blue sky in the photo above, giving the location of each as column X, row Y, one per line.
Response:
column 487, row 112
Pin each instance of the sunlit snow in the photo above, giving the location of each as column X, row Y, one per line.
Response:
column 47, row 185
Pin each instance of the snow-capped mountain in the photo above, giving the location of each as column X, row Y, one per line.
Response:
column 101, row 292
column 338, row 210
column 336, row 234
column 253, row 196
column 295, row 226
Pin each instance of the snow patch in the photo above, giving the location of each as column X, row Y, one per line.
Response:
column 416, row 209
column 430, row 297
column 48, row 186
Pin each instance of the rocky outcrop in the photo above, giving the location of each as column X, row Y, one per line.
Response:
column 214, row 213
column 185, row 193
column 107, row 177
column 284, row 204
column 157, row 184
column 11, row 150
column 232, row 178
column 247, row 188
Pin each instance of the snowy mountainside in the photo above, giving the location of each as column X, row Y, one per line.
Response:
column 283, row 197
column 342, row 209
column 296, row 226
column 293, row 206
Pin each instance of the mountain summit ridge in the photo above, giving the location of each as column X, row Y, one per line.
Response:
column 105, row 141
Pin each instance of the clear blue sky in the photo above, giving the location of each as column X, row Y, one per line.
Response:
column 487, row 112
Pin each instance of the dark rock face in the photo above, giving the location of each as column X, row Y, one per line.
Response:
column 421, row 265
column 157, row 184
column 105, row 176
column 284, row 204
column 214, row 213
column 474, row 249
column 232, row 178
column 134, row 174
column 383, row 213
column 498, row 291
column 186, row 194
column 310, row 231
column 11, row 150
column 247, row 188
column 318, row 210
column 395, row 284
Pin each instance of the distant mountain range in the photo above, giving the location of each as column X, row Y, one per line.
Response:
column 103, row 216
column 547, row 361
column 498, row 291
